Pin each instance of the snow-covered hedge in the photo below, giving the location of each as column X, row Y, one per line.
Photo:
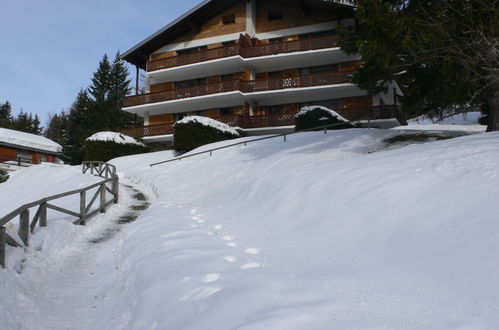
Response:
column 194, row 131
column 316, row 116
column 104, row 146
column 4, row 176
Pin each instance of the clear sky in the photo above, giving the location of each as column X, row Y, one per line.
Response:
column 50, row 48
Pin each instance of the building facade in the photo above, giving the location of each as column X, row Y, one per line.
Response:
column 251, row 64
column 20, row 149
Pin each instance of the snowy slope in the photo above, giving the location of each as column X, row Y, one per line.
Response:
column 465, row 122
column 321, row 232
column 28, row 140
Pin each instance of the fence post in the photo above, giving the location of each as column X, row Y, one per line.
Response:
column 24, row 227
column 103, row 198
column 284, row 137
column 83, row 203
column 325, row 130
column 43, row 215
column 3, row 241
column 116, row 182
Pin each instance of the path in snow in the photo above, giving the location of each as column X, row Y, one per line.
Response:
column 65, row 294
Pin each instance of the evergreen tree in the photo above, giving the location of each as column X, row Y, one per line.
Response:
column 6, row 115
column 79, row 125
column 56, row 127
column 443, row 53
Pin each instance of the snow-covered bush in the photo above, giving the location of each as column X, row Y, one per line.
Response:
column 104, row 146
column 316, row 116
column 194, row 131
column 4, row 176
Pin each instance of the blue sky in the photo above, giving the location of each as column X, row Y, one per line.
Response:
column 50, row 48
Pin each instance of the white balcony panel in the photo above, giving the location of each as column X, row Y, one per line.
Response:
column 205, row 102
column 299, row 59
column 306, row 94
column 216, row 67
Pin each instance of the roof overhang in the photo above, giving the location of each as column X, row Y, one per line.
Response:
column 139, row 54
column 19, row 147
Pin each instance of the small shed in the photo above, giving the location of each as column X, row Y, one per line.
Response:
column 20, row 149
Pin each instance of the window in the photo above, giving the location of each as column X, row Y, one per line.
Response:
column 275, row 40
column 191, row 50
column 24, row 156
column 226, row 111
column 330, row 104
column 190, row 83
column 43, row 158
column 318, row 34
column 275, row 74
column 225, row 77
column 275, row 109
column 274, row 15
column 319, row 69
column 229, row 43
column 229, row 19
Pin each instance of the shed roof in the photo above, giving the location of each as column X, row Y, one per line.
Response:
column 27, row 141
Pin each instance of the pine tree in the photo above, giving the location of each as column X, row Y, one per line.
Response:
column 6, row 115
column 79, row 126
column 442, row 53
column 56, row 127
column 119, row 88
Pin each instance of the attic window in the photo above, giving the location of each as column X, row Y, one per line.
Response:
column 275, row 15
column 229, row 19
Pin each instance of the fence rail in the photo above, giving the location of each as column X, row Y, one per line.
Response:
column 283, row 135
column 108, row 186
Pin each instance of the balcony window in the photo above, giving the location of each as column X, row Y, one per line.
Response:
column 330, row 104
column 190, row 83
column 229, row 43
column 327, row 33
column 191, row 50
column 274, row 15
column 227, row 111
column 226, row 77
column 275, row 110
column 319, row 69
column 275, row 40
column 275, row 74
column 229, row 19
column 24, row 156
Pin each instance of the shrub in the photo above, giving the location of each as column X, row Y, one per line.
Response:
column 316, row 116
column 195, row 131
column 4, row 176
column 104, row 146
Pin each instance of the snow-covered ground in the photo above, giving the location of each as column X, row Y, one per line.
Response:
column 465, row 122
column 323, row 231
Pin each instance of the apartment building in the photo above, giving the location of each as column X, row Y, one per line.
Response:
column 251, row 64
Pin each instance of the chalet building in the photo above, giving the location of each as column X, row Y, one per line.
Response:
column 19, row 149
column 251, row 64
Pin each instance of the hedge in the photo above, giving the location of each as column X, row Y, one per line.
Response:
column 316, row 116
column 106, row 150
column 191, row 135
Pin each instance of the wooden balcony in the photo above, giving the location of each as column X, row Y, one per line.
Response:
column 275, row 120
column 245, row 86
column 283, row 47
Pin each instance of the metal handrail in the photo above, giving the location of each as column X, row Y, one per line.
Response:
column 323, row 127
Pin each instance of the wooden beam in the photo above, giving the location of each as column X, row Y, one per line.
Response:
column 195, row 27
column 24, row 227
column 3, row 241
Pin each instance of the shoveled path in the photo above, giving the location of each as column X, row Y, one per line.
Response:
column 65, row 295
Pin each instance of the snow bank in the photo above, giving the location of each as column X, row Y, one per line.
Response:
column 324, row 231
column 114, row 137
column 307, row 109
column 465, row 122
column 36, row 182
column 28, row 140
column 209, row 122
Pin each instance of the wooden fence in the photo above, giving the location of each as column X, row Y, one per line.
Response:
column 109, row 184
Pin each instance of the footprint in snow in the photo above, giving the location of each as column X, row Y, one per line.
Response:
column 232, row 244
column 250, row 265
column 230, row 258
column 212, row 277
column 252, row 251
column 218, row 227
column 227, row 238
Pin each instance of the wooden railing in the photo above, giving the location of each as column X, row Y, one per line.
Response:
column 275, row 120
column 108, row 185
column 246, row 86
column 274, row 48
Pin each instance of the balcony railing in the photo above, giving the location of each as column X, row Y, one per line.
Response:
column 274, row 48
column 275, row 120
column 246, row 86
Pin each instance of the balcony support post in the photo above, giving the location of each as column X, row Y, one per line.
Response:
column 251, row 17
column 137, row 80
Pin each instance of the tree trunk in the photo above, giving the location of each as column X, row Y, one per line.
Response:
column 493, row 103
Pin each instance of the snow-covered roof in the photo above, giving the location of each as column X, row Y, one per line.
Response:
column 205, row 121
column 114, row 137
column 29, row 141
column 306, row 109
